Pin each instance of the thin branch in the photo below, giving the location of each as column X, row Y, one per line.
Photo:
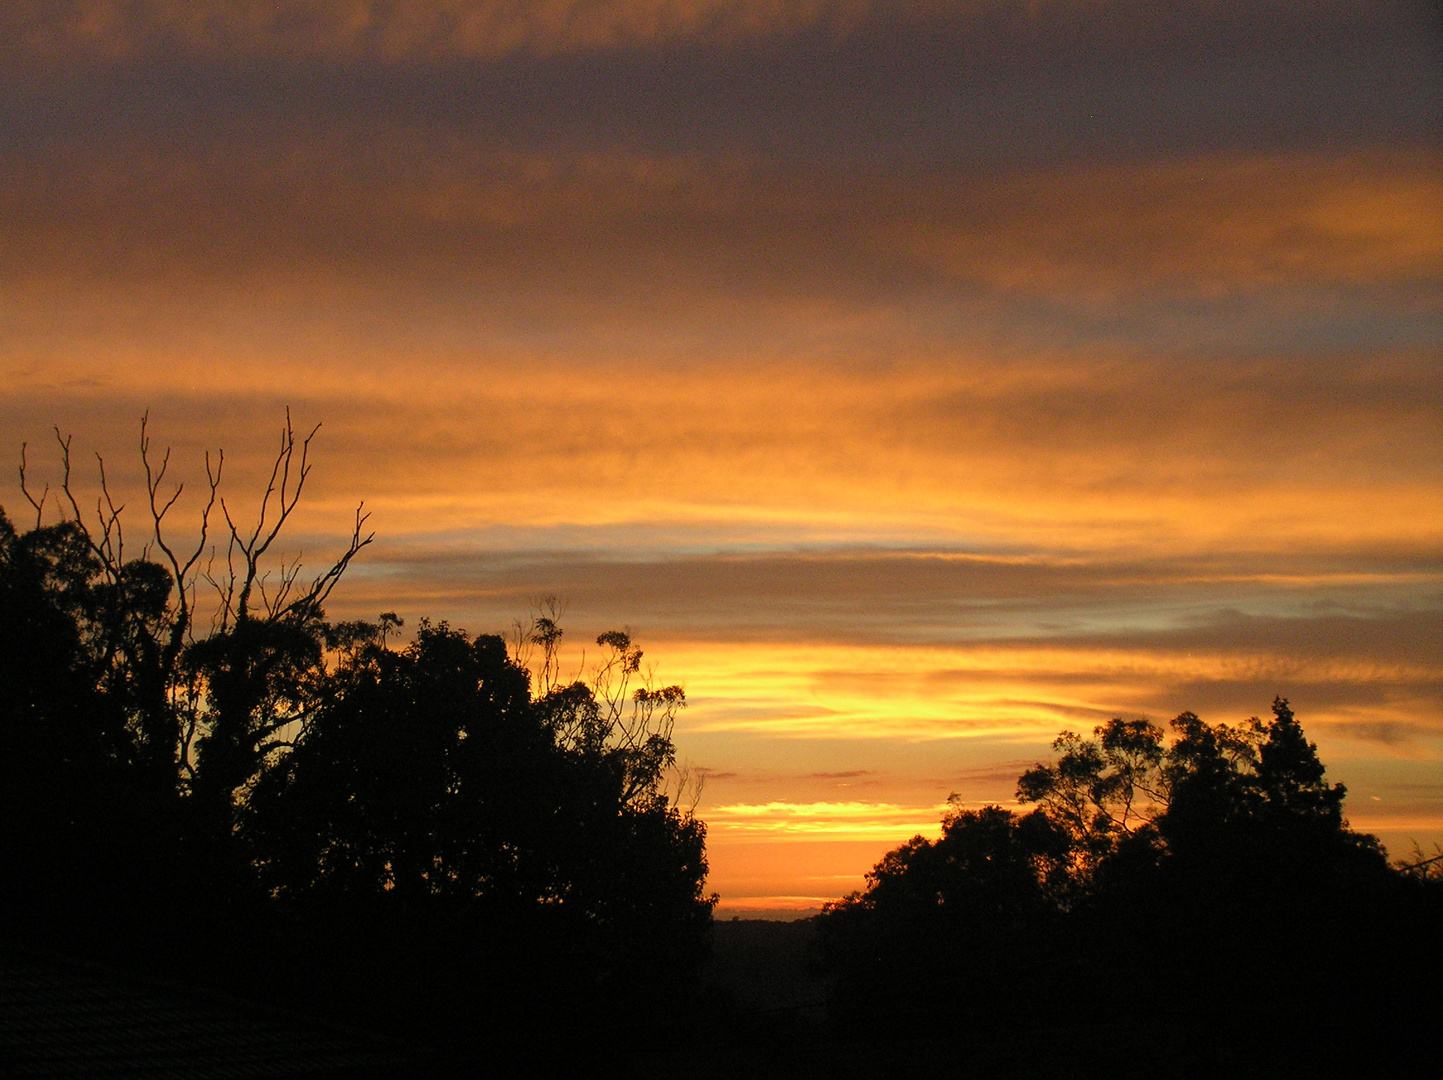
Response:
column 65, row 474
column 111, row 532
column 287, row 495
column 39, row 506
column 184, row 582
column 106, row 550
column 321, row 588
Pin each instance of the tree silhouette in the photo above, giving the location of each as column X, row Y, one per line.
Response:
column 80, row 789
column 958, row 924
column 429, row 781
column 1101, row 792
column 296, row 808
column 133, row 739
column 1179, row 875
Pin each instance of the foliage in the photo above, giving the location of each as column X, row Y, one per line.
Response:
column 75, row 731
column 281, row 787
column 1100, row 791
column 1214, row 795
column 981, row 898
column 1208, row 865
column 429, row 778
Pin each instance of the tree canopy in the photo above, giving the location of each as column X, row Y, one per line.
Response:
column 282, row 801
column 1162, row 876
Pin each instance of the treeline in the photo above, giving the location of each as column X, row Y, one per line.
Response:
column 448, row 839
column 1192, row 904
column 433, row 838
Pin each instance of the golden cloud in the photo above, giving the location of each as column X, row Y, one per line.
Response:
column 1057, row 456
column 755, row 352
column 1209, row 226
column 991, row 691
column 822, row 820
column 615, row 233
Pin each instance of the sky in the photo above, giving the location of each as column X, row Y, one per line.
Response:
column 915, row 380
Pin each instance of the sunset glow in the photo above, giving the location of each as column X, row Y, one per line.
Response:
column 915, row 379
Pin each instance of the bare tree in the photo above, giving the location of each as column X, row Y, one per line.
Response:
column 182, row 706
column 244, row 578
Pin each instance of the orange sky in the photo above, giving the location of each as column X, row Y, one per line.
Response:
column 915, row 379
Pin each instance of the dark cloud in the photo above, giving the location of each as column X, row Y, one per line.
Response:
column 1233, row 699
column 1393, row 610
column 1387, row 733
column 846, row 81
column 1405, row 637
column 1074, row 173
column 1003, row 773
column 393, row 238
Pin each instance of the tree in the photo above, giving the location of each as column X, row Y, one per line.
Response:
column 254, row 800
column 153, row 730
column 431, row 789
column 80, row 806
column 180, row 692
column 1177, row 875
column 1256, row 788
column 1101, row 792
column 954, row 928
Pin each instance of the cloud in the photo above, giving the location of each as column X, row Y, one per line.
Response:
column 404, row 29
column 399, row 30
column 1204, row 227
column 357, row 207
column 822, row 820
column 1047, row 458
column 917, row 378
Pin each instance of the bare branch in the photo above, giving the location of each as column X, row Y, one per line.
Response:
column 182, row 572
column 38, row 505
column 109, row 549
column 689, row 786
column 321, row 588
column 64, row 442
column 286, row 483
column 111, row 533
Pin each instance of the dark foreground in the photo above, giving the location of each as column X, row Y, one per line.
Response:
column 762, row 1012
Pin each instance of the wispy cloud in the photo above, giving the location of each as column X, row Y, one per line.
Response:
column 818, row 820
column 916, row 378
column 441, row 30
column 428, row 30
